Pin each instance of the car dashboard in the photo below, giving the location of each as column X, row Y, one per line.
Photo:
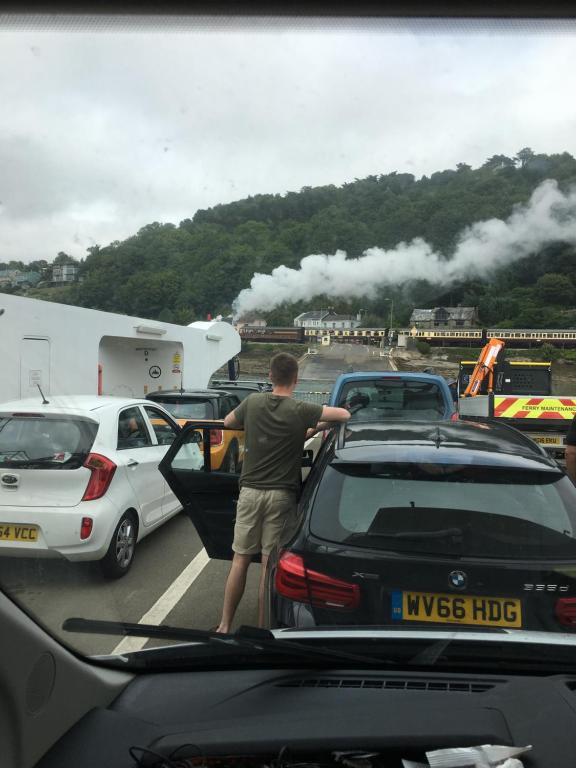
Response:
column 310, row 718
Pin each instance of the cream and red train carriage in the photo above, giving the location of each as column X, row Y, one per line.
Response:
column 467, row 337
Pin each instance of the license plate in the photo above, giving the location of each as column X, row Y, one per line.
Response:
column 548, row 439
column 13, row 532
column 456, row 609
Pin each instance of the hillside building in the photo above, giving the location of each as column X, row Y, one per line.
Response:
column 326, row 319
column 64, row 273
column 445, row 317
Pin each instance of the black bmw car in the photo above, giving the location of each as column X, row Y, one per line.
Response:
column 410, row 524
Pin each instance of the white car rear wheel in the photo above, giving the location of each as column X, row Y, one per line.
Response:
column 120, row 556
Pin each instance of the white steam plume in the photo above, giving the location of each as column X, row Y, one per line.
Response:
column 549, row 216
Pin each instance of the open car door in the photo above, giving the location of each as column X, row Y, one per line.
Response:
column 209, row 497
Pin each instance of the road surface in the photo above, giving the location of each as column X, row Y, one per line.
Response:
column 331, row 361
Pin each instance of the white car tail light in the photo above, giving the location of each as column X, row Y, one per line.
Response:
column 102, row 470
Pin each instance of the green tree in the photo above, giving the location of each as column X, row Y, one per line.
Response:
column 524, row 156
column 166, row 315
column 553, row 288
column 548, row 352
column 64, row 258
column 499, row 161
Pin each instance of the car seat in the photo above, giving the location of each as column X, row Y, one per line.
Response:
column 423, row 401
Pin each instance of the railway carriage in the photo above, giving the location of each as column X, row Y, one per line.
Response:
column 470, row 337
column 564, row 337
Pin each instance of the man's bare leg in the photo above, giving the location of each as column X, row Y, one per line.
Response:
column 235, row 585
column 261, row 589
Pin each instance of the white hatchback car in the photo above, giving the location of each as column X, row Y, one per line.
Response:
column 79, row 477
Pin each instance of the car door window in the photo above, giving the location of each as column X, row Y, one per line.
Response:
column 132, row 430
column 221, row 407
column 190, row 454
column 225, row 406
column 231, row 402
column 164, row 430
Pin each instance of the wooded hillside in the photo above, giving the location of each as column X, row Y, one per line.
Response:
column 180, row 272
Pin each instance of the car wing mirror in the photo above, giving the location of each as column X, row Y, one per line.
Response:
column 307, row 458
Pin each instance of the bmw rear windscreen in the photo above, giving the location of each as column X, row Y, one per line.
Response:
column 469, row 511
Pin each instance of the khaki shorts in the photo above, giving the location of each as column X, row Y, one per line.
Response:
column 263, row 519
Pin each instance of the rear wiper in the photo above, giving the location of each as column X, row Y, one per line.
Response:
column 444, row 533
column 247, row 638
column 27, row 462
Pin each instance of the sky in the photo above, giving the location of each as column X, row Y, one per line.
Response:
column 103, row 131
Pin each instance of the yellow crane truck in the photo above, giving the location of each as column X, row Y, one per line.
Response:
column 518, row 393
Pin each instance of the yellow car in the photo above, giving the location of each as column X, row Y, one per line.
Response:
column 227, row 445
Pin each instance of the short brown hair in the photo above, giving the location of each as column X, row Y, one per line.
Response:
column 283, row 369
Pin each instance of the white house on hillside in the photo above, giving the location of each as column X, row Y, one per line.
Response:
column 325, row 318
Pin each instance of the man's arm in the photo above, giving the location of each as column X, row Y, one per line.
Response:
column 320, row 427
column 231, row 421
column 235, row 419
column 571, row 462
column 330, row 416
column 330, row 413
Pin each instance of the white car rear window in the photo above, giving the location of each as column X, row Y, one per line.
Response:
column 41, row 442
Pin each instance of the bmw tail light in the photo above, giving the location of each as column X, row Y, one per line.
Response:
column 291, row 578
column 216, row 437
column 296, row 582
column 102, row 470
column 565, row 611
column 329, row 592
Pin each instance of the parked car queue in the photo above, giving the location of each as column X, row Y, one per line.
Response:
column 79, row 479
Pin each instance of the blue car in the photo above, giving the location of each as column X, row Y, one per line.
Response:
column 374, row 396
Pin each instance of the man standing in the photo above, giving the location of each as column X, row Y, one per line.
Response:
column 276, row 427
column 571, row 451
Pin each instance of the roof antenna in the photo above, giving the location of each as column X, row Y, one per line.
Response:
column 44, row 401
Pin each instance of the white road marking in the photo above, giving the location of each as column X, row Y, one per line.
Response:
column 166, row 602
column 392, row 363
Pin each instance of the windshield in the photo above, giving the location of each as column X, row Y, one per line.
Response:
column 194, row 207
column 392, row 399
column 467, row 511
column 182, row 408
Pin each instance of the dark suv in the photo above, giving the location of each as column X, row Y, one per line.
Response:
column 193, row 404
column 241, row 387
column 412, row 524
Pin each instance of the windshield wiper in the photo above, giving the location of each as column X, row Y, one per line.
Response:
column 247, row 638
column 444, row 533
column 41, row 460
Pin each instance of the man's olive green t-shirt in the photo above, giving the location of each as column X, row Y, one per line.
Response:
column 274, row 431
